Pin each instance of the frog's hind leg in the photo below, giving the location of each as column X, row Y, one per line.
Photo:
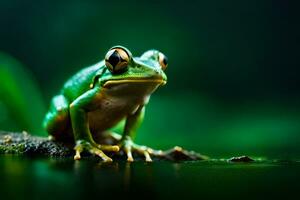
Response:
column 57, row 118
column 107, row 137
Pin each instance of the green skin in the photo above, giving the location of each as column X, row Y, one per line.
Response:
column 95, row 100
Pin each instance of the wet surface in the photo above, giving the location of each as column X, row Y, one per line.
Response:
column 43, row 178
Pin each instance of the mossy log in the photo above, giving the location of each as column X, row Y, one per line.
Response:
column 26, row 144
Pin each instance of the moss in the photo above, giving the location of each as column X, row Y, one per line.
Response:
column 12, row 149
column 24, row 143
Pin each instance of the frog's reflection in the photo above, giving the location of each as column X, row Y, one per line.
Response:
column 95, row 175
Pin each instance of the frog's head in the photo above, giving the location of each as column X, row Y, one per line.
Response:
column 123, row 68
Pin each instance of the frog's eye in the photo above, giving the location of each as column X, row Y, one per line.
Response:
column 163, row 61
column 116, row 60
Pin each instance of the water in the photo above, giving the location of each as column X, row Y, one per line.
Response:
column 44, row 178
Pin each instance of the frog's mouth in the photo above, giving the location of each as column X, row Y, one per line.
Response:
column 110, row 83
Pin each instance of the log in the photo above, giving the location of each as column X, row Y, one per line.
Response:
column 27, row 144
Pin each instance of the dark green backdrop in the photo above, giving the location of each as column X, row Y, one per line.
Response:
column 233, row 65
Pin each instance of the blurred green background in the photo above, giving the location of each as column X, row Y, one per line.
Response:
column 233, row 76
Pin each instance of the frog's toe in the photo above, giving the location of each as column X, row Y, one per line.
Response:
column 77, row 155
column 157, row 153
column 129, row 147
column 113, row 148
column 143, row 150
column 100, row 153
column 147, row 156
column 93, row 149
column 128, row 151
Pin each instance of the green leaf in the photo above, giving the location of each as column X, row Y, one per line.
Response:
column 21, row 103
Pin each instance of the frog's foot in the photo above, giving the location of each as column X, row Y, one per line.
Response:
column 128, row 146
column 93, row 148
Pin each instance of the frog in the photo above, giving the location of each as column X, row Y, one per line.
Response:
column 99, row 97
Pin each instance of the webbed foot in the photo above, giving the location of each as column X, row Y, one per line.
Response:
column 128, row 146
column 93, row 148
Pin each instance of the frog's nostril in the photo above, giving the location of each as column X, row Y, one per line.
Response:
column 155, row 72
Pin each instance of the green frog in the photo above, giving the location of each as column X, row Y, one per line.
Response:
column 101, row 96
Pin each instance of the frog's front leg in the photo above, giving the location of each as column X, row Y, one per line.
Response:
column 79, row 119
column 132, row 123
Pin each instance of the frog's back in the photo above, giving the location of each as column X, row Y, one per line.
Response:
column 80, row 82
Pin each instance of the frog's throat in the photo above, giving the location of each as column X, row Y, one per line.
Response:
column 117, row 82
